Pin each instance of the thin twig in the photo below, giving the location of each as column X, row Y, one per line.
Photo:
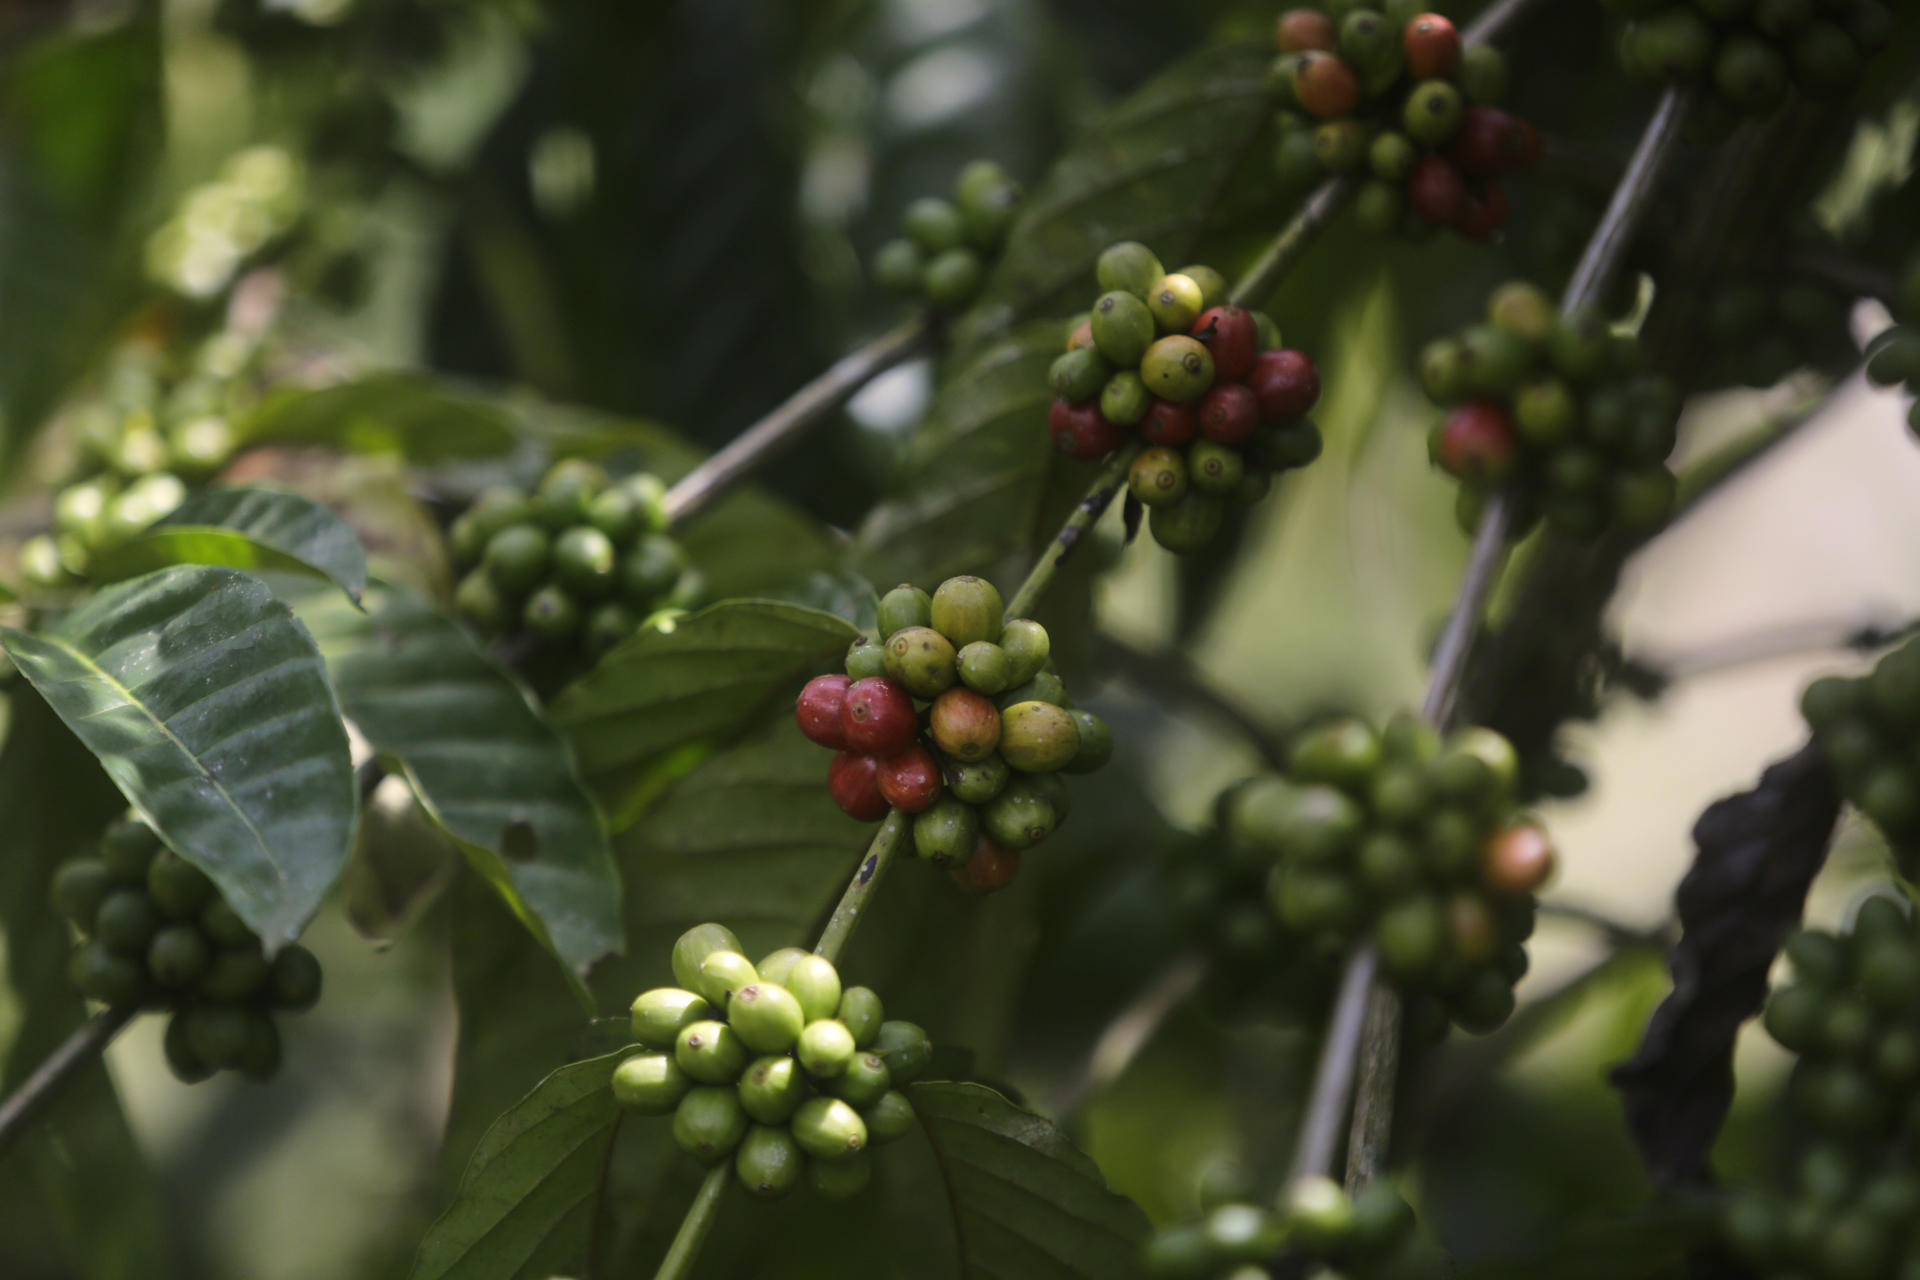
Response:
column 680, row 1258
column 866, row 878
column 1842, row 271
column 1327, row 200
column 1494, row 20
column 1132, row 1029
column 1456, row 638
column 1333, row 1079
column 1618, row 933
column 1818, row 635
column 805, row 408
column 1172, row 673
column 1085, row 515
column 1630, row 200
column 76, row 1051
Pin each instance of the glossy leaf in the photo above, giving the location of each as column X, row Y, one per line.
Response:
column 421, row 418
column 537, row 1165
column 707, row 679
column 1025, row 1201
column 246, row 529
column 209, row 707
column 486, row 767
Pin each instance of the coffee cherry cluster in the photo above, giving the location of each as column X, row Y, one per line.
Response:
column 578, row 564
column 1394, row 94
column 1867, row 727
column 1555, row 407
column 1412, row 842
column 1767, row 324
column 156, row 425
column 1852, row 1017
column 773, row 1065
column 1221, row 404
column 944, row 254
column 1749, row 54
column 1318, row 1228
column 159, row 935
column 955, row 719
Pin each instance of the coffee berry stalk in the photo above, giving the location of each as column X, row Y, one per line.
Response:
column 1394, row 97
column 948, row 244
column 156, row 933
column 955, row 717
column 578, row 563
column 1409, row 842
column 1556, row 409
column 1220, row 404
column 775, row 1066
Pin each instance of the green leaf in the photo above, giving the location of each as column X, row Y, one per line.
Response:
column 424, row 419
column 691, row 687
column 209, row 707
column 976, row 479
column 537, row 1165
column 54, row 802
column 1025, row 1201
column 486, row 767
column 246, row 529
column 1149, row 170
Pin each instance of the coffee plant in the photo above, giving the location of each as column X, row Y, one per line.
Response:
column 515, row 518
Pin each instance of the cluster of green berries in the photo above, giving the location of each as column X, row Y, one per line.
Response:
column 1749, row 54
column 1894, row 356
column 1867, row 727
column 1759, row 330
column 580, row 563
column 1411, row 841
column 1556, row 408
column 1220, row 403
column 154, row 428
column 773, row 1065
column 1318, row 1229
column 1852, row 1017
column 944, row 254
column 258, row 196
column 1394, row 94
column 158, row 934
column 954, row 717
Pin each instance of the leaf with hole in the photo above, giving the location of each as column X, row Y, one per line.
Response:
column 209, row 707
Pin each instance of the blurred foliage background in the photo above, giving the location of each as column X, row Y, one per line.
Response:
column 661, row 211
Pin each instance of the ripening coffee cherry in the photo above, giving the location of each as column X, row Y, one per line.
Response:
column 966, row 609
column 817, row 711
column 1475, row 443
column 991, row 868
column 921, row 660
column 945, row 833
column 1479, row 146
column 965, row 725
column 1123, row 327
column 1432, row 112
column 853, row 780
column 1158, row 477
column 1432, row 47
column 1519, row 860
column 1130, row 267
column 877, row 716
column 769, row 1162
column 1484, row 212
column 1229, row 413
column 977, row 781
column 815, row 983
column 1300, row 29
column 910, row 781
column 709, row 1123
column 1325, row 86
column 651, row 1083
column 825, row 1047
column 1231, row 337
column 1038, row 737
column 1081, row 431
column 1177, row 368
column 984, row 667
column 1170, row 425
column 1286, row 383
column 1436, row 192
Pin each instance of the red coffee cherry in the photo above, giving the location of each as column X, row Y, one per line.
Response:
column 1524, row 144
column 911, row 780
column 1232, row 337
column 1326, row 87
column 853, row 780
column 1484, row 212
column 818, row 710
column 1229, row 413
column 1432, row 47
column 1080, row 432
column 1480, row 146
column 1299, row 29
column 1476, row 443
column 1286, row 384
column 989, row 869
column 1436, row 191
column 1170, row 424
column 877, row 716
column 1519, row 860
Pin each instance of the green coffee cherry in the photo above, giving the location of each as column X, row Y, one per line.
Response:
column 619, row 514
column 861, row 1014
column 294, row 979
column 1129, row 267
column 1215, row 468
column 1079, row 375
column 934, row 224
column 235, row 973
column 128, row 848
column 899, row 266
column 694, row 946
column 260, row 1060
column 223, row 925
column 840, row 1179
column 1177, row 368
column 178, row 888
column 976, row 781
column 710, row 1052
column 967, row 609
column 608, row 624
column 988, row 200
column 889, row 1118
column 1432, row 112
column 865, row 659
column 984, row 667
column 923, row 660
column 100, row 973
column 767, row 1018
column 1344, row 752
column 1123, row 327
column 815, row 983
column 1096, row 743
column 904, row 1047
column 769, row 1163
column 776, row 965
column 1482, row 74
column 79, row 887
column 1020, row 817
column 516, row 558
column 1341, row 146
column 772, row 1089
column 721, row 974
column 709, row 1123
column 551, row 614
column 1038, row 737
column 953, row 277
column 126, row 921
column 864, row 1082
column 903, row 607
column 650, row 1083
column 584, row 560
column 652, row 569
column 1317, row 1213
column 825, row 1048
column 177, row 956
column 218, row 1034
column 185, row 1064
column 946, row 833
column 481, row 603
column 1125, row 400
column 1187, row 525
column 829, row 1129
column 660, row 1015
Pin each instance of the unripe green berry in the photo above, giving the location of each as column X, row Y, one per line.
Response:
column 1188, row 525
column 861, row 1014
column 1130, row 267
column 128, row 849
column 903, row 607
column 584, row 560
column 126, row 921
column 953, row 277
column 710, row 1052
column 1079, row 375
column 721, row 974
column 1317, row 1212
column 840, row 1179
column 660, row 1015
column 552, row 614
column 1027, row 647
column 651, row 1083
column 946, row 833
column 709, row 1123
column 866, row 659
column 772, row 1089
column 766, row 1017
column 223, row 925
column 966, row 609
column 480, row 602
column 769, row 1163
column 984, row 667
column 1038, row 737
column 516, row 558
column 988, row 200
column 607, row 625
column 1215, row 468
column 100, row 973
column 235, row 973
column 185, row 1064
column 1044, row 687
column 1019, row 817
column 1482, row 75
column 1341, row 146
column 815, row 983
column 898, row 266
column 619, row 514
column 864, row 1082
column 904, row 1047
column 1096, row 743
column 1344, row 752
column 651, row 570
column 829, row 1129
column 776, row 965
column 294, row 979
column 693, row 946
column 79, row 887
column 177, row 956
column 934, row 225
column 1432, row 112
column 889, row 1118
column 825, row 1048
column 976, row 781
column 1123, row 327
column 1125, row 400
column 218, row 1034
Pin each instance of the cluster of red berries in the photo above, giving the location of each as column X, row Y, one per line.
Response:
column 955, row 720
column 1556, row 408
column 1221, row 404
column 1400, row 98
